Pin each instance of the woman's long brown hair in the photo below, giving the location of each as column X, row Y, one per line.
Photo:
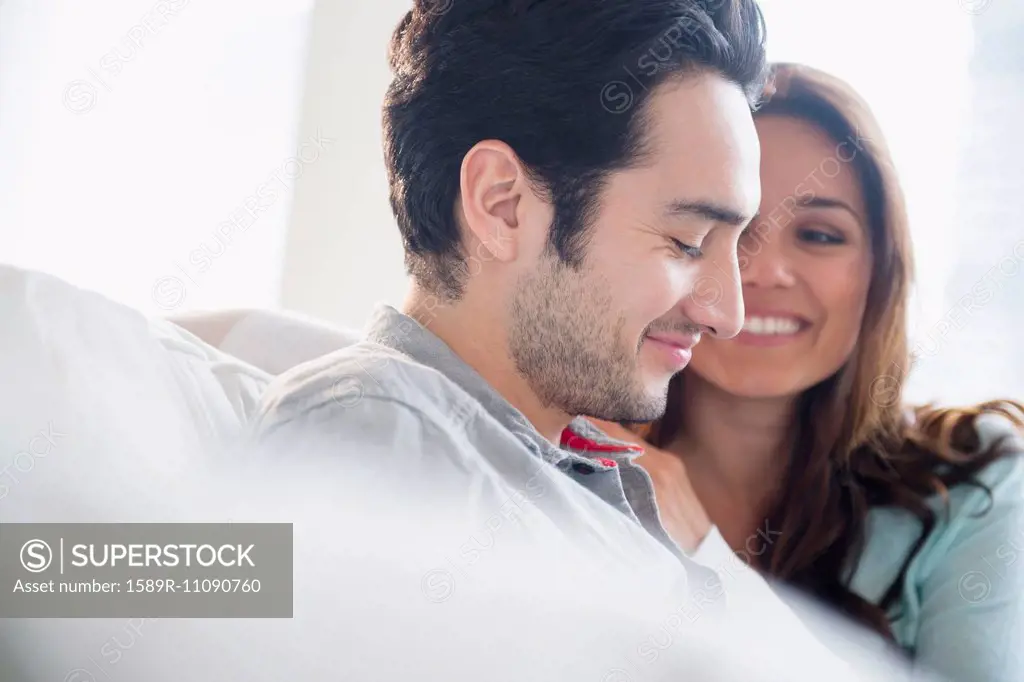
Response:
column 856, row 446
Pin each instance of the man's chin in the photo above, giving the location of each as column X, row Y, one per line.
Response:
column 656, row 393
column 652, row 409
column 643, row 409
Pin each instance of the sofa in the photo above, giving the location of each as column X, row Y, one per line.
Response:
column 107, row 415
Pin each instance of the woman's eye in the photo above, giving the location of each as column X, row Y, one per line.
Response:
column 692, row 251
column 813, row 236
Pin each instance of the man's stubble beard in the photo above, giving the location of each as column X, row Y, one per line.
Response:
column 567, row 342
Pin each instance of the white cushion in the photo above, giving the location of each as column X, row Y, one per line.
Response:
column 99, row 403
column 277, row 341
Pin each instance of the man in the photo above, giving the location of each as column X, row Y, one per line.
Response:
column 570, row 180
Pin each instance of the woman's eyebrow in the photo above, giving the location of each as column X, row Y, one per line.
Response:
column 826, row 202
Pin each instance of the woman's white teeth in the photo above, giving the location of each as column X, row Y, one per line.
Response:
column 771, row 325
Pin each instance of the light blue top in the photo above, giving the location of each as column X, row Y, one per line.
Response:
column 961, row 609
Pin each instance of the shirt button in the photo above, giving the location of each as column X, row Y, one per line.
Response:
column 582, row 468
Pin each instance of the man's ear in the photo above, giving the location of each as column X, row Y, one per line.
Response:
column 495, row 193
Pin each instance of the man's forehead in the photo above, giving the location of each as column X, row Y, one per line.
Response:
column 702, row 147
column 702, row 105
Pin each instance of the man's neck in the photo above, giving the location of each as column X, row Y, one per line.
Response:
column 477, row 333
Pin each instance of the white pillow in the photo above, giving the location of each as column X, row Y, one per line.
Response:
column 98, row 403
column 277, row 341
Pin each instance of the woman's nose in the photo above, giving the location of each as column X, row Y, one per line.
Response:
column 765, row 264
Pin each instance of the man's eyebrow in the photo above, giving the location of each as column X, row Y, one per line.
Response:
column 706, row 210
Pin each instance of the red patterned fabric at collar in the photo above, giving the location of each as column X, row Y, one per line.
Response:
column 573, row 440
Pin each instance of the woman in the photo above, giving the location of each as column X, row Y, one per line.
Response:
column 793, row 435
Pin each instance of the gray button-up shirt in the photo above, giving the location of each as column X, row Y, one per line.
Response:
column 430, row 417
column 400, row 421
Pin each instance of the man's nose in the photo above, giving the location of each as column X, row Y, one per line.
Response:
column 716, row 301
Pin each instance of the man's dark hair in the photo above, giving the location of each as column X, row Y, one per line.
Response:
column 563, row 82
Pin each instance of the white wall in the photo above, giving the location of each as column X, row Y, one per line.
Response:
column 124, row 181
column 130, row 135
column 343, row 249
column 344, row 252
